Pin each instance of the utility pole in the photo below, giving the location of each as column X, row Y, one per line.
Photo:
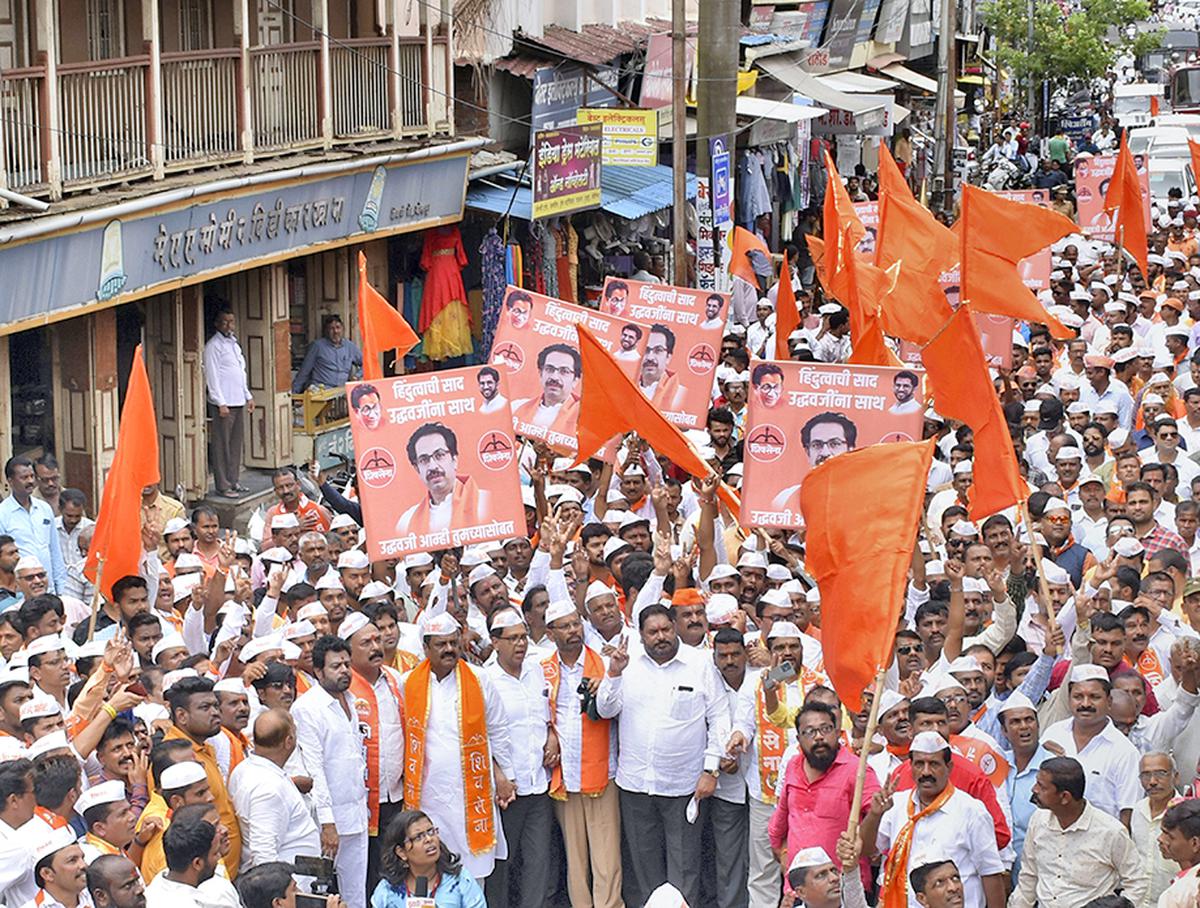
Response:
column 943, row 178
column 1033, row 86
column 679, row 141
column 716, row 89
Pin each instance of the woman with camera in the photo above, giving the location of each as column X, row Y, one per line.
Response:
column 419, row 871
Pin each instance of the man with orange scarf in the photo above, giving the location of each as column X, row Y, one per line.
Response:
column 934, row 817
column 457, row 753
column 376, row 691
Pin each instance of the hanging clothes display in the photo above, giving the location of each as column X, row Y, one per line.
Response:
column 445, row 322
column 492, row 257
column 752, row 188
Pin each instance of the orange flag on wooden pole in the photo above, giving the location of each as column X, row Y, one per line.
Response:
column 962, row 389
column 382, row 327
column 611, row 404
column 117, row 539
column 996, row 234
column 1125, row 195
column 745, row 242
column 910, row 236
column 862, row 510
column 865, row 287
column 841, row 229
column 787, row 316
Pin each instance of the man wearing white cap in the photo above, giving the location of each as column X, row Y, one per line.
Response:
column 586, row 799
column 820, row 883
column 1073, row 852
column 1019, row 720
column 354, row 568
column 275, row 820
column 333, row 749
column 1109, row 759
column 934, row 816
column 458, row 760
column 674, row 728
column 521, row 880
column 60, row 872
column 896, row 729
column 110, row 820
column 375, row 688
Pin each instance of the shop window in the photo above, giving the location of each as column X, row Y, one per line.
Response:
column 32, row 392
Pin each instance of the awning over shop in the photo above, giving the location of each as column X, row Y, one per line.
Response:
column 785, row 111
column 856, row 83
column 902, row 73
column 868, row 111
column 628, row 192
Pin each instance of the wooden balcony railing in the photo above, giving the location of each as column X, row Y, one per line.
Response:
column 128, row 119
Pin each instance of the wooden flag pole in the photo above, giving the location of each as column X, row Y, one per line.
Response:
column 96, row 597
column 863, row 752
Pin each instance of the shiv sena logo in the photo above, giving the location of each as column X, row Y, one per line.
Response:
column 496, row 450
column 701, row 359
column 766, row 443
column 510, row 355
column 377, row 467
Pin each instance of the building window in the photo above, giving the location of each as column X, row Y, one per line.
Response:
column 106, row 29
column 195, row 24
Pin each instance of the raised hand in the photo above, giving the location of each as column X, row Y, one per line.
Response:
column 619, row 658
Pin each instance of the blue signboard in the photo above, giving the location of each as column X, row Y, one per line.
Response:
column 719, row 155
column 559, row 91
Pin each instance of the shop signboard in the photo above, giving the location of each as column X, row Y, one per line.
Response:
column 630, row 137
column 436, row 461
column 892, row 16
column 559, row 92
column 801, row 414
column 566, row 170
column 656, row 74
column 722, row 185
column 1092, row 176
column 917, row 39
column 867, row 22
column 804, row 23
column 684, row 328
column 706, row 254
column 537, row 348
column 841, row 31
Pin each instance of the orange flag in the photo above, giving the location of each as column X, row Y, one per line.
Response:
column 864, row 287
column 745, row 242
column 134, row 466
column 612, row 404
column 862, row 510
column 382, row 326
column 891, row 180
column 1125, row 195
column 1194, row 151
column 962, row 389
column 787, row 316
column 841, row 228
column 996, row 234
column 910, row 236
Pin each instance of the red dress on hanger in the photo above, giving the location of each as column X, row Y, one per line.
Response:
column 445, row 322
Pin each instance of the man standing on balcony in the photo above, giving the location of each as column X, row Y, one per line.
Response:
column 228, row 400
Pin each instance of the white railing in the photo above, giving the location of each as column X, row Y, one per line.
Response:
column 200, row 106
column 360, row 73
column 413, row 87
column 284, row 96
column 20, row 128
column 103, row 117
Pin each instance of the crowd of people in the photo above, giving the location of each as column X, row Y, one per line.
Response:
column 627, row 704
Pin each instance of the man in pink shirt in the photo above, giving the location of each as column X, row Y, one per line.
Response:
column 818, row 786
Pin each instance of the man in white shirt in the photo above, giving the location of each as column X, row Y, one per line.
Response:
column 334, row 755
column 1109, row 759
column 192, row 850
column 438, row 753
column 17, row 804
column 275, row 821
column 60, row 871
column 229, row 398
column 71, row 523
column 935, row 817
column 522, row 879
column 1073, row 852
column 589, row 811
column 673, row 730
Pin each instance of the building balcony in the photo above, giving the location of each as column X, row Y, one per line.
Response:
column 72, row 127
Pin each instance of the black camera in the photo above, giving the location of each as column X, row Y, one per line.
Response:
column 587, row 700
column 324, row 880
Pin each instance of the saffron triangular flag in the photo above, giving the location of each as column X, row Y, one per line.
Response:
column 611, row 404
column 1125, row 195
column 962, row 389
column 787, row 316
column 382, row 327
column 861, row 513
column 923, row 248
column 740, row 264
column 115, row 538
column 996, row 233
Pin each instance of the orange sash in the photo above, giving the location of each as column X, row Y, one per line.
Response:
column 237, row 747
column 772, row 742
column 1149, row 667
column 302, row 682
column 50, row 818
column 476, row 756
column 101, row 845
column 404, row 661
column 894, row 893
column 366, row 705
column 990, row 763
column 593, row 758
